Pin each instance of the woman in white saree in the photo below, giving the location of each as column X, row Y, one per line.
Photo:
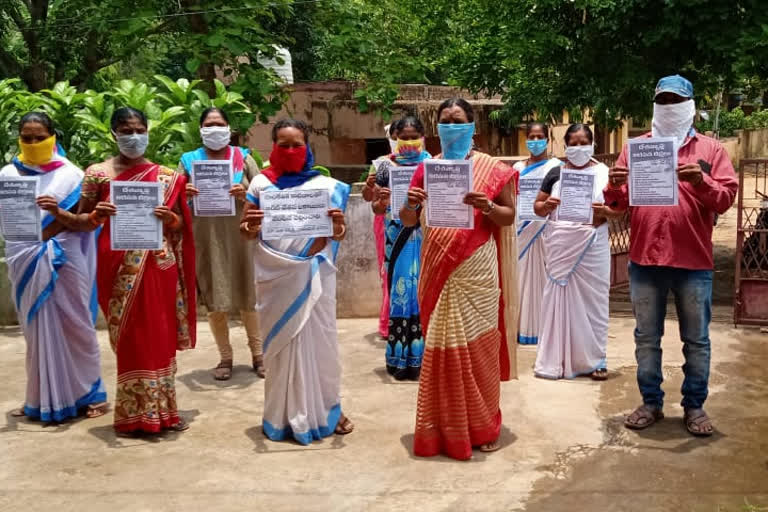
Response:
column 574, row 308
column 296, row 280
column 53, row 286
column 531, row 274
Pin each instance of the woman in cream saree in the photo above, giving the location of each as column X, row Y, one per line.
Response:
column 467, row 299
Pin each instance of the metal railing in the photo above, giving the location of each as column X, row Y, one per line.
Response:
column 751, row 298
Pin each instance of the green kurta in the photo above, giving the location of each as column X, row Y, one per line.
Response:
column 224, row 265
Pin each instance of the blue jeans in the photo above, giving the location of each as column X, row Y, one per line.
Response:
column 692, row 290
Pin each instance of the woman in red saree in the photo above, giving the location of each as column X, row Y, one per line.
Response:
column 148, row 297
column 467, row 300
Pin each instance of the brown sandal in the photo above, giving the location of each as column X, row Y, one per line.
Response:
column 344, row 426
column 96, row 410
column 18, row 413
column 698, row 423
column 490, row 447
column 223, row 371
column 181, row 426
column 643, row 417
column 599, row 375
column 258, row 366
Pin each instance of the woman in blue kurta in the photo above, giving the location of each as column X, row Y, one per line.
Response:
column 405, row 342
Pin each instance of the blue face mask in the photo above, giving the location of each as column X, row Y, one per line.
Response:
column 456, row 140
column 536, row 147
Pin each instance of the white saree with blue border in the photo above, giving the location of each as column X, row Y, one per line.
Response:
column 532, row 276
column 297, row 308
column 53, row 289
column 574, row 305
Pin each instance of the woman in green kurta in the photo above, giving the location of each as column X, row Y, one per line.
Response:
column 224, row 270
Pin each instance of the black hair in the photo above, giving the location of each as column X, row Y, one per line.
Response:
column 37, row 117
column 124, row 114
column 457, row 102
column 291, row 123
column 577, row 127
column 394, row 127
column 211, row 110
column 530, row 126
column 412, row 121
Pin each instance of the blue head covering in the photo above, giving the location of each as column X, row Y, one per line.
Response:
column 675, row 84
column 295, row 179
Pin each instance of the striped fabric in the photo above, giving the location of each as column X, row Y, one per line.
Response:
column 458, row 405
column 468, row 301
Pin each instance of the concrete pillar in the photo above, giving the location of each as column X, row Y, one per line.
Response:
column 358, row 289
column 7, row 309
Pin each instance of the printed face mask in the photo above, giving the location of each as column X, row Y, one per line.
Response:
column 674, row 120
column 579, row 155
column 38, row 153
column 215, row 137
column 409, row 152
column 409, row 148
column 536, row 147
column 456, row 140
column 134, row 145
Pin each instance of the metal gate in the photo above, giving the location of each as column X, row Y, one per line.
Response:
column 619, row 233
column 751, row 298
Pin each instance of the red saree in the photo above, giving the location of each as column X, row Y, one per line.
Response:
column 148, row 299
column 463, row 317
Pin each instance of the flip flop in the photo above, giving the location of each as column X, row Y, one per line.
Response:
column 258, row 366
column 490, row 447
column 696, row 422
column 96, row 410
column 645, row 412
column 223, row 371
column 344, row 426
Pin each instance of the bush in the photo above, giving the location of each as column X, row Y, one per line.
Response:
column 735, row 120
column 82, row 118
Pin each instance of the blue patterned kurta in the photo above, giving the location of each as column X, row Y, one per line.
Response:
column 405, row 343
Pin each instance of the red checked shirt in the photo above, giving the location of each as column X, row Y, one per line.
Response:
column 681, row 236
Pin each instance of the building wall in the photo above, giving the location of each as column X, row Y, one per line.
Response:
column 339, row 130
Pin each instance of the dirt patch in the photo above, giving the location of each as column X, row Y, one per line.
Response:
column 664, row 468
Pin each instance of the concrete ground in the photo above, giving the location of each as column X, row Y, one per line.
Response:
column 564, row 448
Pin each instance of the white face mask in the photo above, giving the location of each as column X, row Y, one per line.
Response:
column 673, row 120
column 579, row 155
column 215, row 137
column 132, row 146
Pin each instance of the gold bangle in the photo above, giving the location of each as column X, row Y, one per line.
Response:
column 343, row 232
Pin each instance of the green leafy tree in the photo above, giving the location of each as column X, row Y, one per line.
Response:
column 82, row 119
column 85, row 41
column 602, row 57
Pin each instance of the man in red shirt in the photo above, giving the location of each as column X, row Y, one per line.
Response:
column 671, row 250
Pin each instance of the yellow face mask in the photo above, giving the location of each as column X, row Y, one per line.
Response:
column 39, row 153
column 409, row 146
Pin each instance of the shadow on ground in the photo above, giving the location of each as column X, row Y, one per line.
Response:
column 202, row 380
column 107, row 434
column 506, row 439
column 664, row 468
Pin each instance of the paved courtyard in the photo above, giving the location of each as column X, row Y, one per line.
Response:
column 563, row 444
